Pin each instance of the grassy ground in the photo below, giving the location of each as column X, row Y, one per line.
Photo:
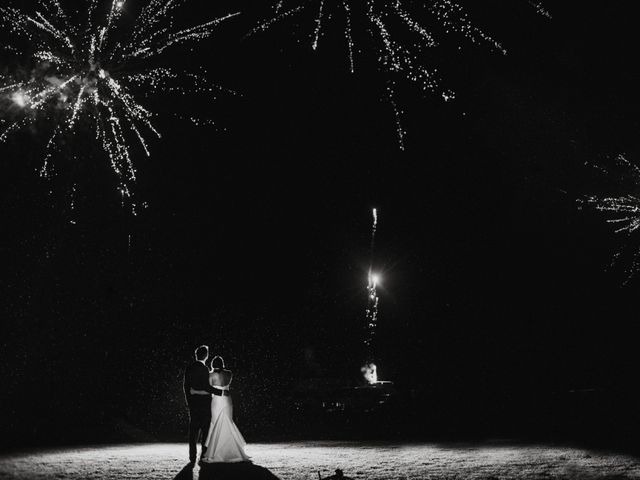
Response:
column 358, row 460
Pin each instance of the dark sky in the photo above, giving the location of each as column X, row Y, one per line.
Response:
column 255, row 239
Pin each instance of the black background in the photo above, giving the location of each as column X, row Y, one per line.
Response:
column 498, row 315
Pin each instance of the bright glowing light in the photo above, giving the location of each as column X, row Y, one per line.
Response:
column 399, row 34
column 95, row 72
column 370, row 373
column 375, row 279
column 20, row 99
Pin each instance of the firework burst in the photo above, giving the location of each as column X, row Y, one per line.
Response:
column 623, row 211
column 400, row 34
column 95, row 73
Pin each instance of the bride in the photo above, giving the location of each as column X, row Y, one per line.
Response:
column 224, row 441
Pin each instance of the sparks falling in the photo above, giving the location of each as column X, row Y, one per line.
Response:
column 623, row 211
column 95, row 73
column 400, row 36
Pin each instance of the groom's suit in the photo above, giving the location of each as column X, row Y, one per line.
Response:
column 196, row 375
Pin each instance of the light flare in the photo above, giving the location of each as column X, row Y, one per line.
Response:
column 20, row 99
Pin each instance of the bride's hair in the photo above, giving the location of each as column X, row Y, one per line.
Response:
column 217, row 362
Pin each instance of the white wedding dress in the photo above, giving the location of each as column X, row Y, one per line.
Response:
column 224, row 441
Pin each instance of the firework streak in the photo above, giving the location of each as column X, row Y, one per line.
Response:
column 371, row 313
column 623, row 210
column 398, row 36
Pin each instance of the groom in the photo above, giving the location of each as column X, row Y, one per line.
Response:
column 197, row 376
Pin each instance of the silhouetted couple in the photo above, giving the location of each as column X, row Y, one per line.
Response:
column 211, row 411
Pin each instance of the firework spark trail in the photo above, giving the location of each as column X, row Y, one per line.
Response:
column 452, row 16
column 540, row 8
column 415, row 26
column 92, row 73
column 316, row 35
column 369, row 369
column 374, row 229
column 396, row 58
column 347, row 33
column 280, row 15
column 623, row 210
column 9, row 87
column 371, row 315
column 372, row 245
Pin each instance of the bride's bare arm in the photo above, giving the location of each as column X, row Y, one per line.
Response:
column 198, row 392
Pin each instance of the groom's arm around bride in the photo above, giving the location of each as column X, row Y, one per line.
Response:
column 196, row 376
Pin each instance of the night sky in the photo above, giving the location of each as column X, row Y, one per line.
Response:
column 255, row 239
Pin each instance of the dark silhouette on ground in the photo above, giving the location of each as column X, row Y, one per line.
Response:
column 186, row 473
column 227, row 471
column 235, row 471
column 339, row 475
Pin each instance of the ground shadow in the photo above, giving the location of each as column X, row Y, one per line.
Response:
column 235, row 471
column 186, row 473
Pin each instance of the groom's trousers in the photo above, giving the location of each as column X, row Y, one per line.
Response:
column 199, row 421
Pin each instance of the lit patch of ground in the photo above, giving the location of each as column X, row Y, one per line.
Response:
column 304, row 460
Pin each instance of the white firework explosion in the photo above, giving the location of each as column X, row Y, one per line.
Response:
column 95, row 72
column 400, row 33
column 623, row 211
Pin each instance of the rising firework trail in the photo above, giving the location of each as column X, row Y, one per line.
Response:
column 93, row 73
column 374, row 227
column 623, row 211
column 369, row 369
column 399, row 34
